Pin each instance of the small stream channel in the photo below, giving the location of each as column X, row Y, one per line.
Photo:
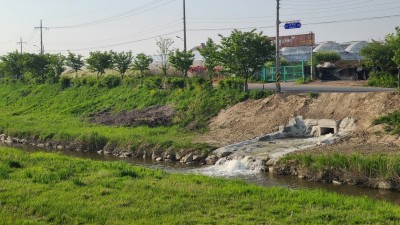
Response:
column 236, row 169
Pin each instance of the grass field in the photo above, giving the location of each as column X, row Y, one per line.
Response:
column 44, row 188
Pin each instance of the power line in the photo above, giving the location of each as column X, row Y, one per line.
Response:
column 345, row 9
column 129, row 13
column 148, row 31
column 117, row 44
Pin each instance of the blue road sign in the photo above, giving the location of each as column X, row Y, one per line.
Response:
column 294, row 25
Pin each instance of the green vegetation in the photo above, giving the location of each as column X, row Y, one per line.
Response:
column 391, row 121
column 43, row 188
column 368, row 166
column 325, row 56
column 383, row 57
column 48, row 111
column 381, row 79
column 302, row 81
column 181, row 60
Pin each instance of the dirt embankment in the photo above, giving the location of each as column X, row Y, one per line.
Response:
column 253, row 118
column 152, row 117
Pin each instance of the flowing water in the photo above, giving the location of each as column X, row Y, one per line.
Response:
column 243, row 168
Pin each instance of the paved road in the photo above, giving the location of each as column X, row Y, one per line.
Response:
column 291, row 87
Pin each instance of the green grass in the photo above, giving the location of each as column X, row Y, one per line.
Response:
column 370, row 166
column 49, row 111
column 43, row 188
column 391, row 122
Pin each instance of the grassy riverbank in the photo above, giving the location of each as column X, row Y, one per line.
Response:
column 62, row 113
column 43, row 188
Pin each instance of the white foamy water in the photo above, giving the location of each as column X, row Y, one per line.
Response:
column 247, row 157
column 241, row 165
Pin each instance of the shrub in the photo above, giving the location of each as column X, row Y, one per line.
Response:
column 65, row 82
column 92, row 141
column 391, row 121
column 231, row 84
column 109, row 81
column 259, row 94
column 382, row 79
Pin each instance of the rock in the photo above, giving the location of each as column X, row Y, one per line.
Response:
column 211, row 160
column 170, row 157
column 126, row 154
column 40, row 145
column 384, row 185
column 3, row 137
column 24, row 141
column 271, row 162
column 60, row 147
column 100, row 152
column 159, row 159
column 178, row 156
column 155, row 155
column 188, row 158
column 335, row 182
column 8, row 140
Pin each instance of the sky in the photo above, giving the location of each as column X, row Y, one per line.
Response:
column 81, row 26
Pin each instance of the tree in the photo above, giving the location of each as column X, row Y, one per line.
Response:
column 122, row 61
column 379, row 55
column 142, row 62
column 99, row 62
column 212, row 58
column 181, row 60
column 394, row 43
column 56, row 67
column 164, row 45
column 75, row 62
column 325, row 56
column 38, row 66
column 13, row 65
column 244, row 53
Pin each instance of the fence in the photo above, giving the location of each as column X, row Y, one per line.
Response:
column 288, row 73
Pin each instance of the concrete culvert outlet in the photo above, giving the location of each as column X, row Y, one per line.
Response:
column 326, row 130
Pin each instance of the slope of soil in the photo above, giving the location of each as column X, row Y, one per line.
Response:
column 152, row 117
column 253, row 118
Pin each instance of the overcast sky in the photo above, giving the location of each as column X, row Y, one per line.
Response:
column 82, row 26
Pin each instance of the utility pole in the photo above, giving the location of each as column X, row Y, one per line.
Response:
column 20, row 43
column 184, row 31
column 41, row 37
column 277, row 64
column 312, row 56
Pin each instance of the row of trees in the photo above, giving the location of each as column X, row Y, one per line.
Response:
column 49, row 67
column 241, row 54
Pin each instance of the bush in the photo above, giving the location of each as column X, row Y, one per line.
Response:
column 109, row 81
column 231, row 84
column 259, row 94
column 65, row 82
column 176, row 83
column 92, row 141
column 391, row 121
column 382, row 79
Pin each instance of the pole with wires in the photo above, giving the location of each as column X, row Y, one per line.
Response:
column 20, row 43
column 184, row 31
column 277, row 63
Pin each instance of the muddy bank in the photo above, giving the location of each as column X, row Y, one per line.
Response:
column 334, row 175
column 145, row 151
column 152, row 117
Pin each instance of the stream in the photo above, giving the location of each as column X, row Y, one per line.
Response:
column 237, row 169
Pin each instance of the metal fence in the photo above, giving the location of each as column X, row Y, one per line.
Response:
column 288, row 73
